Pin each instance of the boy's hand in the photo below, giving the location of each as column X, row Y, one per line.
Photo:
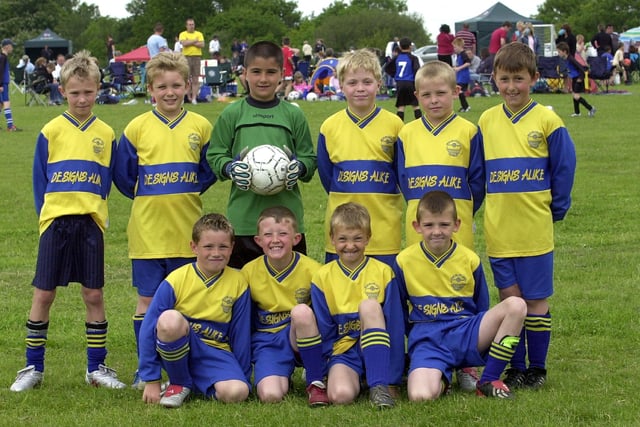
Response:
column 151, row 393
column 295, row 169
column 239, row 171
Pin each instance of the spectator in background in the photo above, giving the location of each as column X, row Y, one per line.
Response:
column 473, row 65
column 156, row 43
column 307, row 51
column 44, row 82
column 468, row 37
column 565, row 35
column 214, row 47
column 47, row 53
column 111, row 49
column 528, row 37
column 445, row 46
column 25, row 62
column 602, row 39
column 60, row 60
column 192, row 43
column 177, row 46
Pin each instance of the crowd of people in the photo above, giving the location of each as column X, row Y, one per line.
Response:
column 229, row 302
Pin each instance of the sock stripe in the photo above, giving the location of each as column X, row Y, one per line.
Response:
column 174, row 354
column 375, row 338
column 501, row 352
column 537, row 323
column 308, row 341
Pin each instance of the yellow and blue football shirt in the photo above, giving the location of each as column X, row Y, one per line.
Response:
column 530, row 163
column 161, row 165
column 72, row 169
column 446, row 157
column 336, row 293
column 218, row 310
column 356, row 158
column 274, row 293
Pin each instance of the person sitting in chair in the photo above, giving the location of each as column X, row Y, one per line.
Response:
column 43, row 81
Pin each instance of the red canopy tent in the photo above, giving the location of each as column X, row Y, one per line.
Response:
column 140, row 54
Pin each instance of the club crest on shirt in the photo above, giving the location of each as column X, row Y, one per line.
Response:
column 386, row 144
column 194, row 141
column 458, row 282
column 534, row 138
column 454, row 148
column 302, row 295
column 98, row 146
column 227, row 304
column 372, row 290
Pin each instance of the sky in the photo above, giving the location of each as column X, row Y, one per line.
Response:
column 433, row 16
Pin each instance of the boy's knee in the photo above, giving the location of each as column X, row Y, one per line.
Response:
column 369, row 311
column 341, row 395
column 171, row 325
column 516, row 306
column 232, row 392
column 302, row 314
column 92, row 296
column 423, row 394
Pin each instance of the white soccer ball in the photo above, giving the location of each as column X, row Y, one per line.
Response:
column 268, row 169
column 293, row 95
column 311, row 96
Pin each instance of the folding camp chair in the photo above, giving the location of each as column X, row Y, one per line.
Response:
column 121, row 78
column 219, row 77
column 599, row 72
column 35, row 90
column 552, row 69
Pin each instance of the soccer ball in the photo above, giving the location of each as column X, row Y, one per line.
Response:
column 293, row 95
column 311, row 96
column 268, row 169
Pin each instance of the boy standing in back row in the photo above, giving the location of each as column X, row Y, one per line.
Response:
column 72, row 170
column 260, row 118
column 356, row 154
column 530, row 163
column 161, row 165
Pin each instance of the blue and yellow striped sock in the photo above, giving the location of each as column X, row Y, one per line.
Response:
column 36, row 341
column 538, row 331
column 499, row 355
column 175, row 356
column 311, row 354
column 96, row 344
column 376, row 351
column 137, row 324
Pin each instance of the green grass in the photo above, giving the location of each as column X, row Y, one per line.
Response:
column 594, row 356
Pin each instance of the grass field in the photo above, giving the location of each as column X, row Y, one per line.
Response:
column 594, row 358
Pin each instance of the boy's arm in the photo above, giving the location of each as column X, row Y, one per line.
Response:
column 240, row 333
column 303, row 147
column 206, row 177
column 325, row 166
column 394, row 321
column 125, row 174
column 562, row 160
column 398, row 166
column 39, row 176
column 220, row 151
column 476, row 171
column 149, row 365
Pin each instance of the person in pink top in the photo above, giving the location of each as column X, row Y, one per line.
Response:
column 445, row 46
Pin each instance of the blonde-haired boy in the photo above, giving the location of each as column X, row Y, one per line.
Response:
column 356, row 152
column 358, row 311
column 72, row 219
column 161, row 165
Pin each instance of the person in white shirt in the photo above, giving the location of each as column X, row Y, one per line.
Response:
column 214, row 47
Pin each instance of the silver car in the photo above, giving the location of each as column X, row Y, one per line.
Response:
column 427, row 53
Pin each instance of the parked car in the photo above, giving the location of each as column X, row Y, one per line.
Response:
column 427, row 53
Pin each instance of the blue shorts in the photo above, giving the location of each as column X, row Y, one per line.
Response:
column 446, row 345
column 149, row 273
column 71, row 249
column 387, row 259
column 272, row 354
column 4, row 95
column 533, row 275
column 351, row 358
column 210, row 365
